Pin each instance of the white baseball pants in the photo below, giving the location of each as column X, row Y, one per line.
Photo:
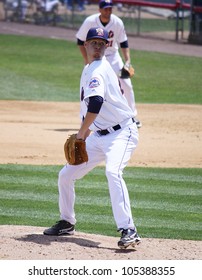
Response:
column 115, row 149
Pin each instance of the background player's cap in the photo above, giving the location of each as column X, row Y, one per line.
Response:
column 97, row 33
column 105, row 4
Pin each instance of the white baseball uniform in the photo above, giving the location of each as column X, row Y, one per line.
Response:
column 115, row 148
column 117, row 35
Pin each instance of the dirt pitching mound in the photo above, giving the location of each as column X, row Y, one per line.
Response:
column 29, row 243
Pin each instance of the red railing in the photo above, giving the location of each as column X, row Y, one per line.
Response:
column 175, row 6
column 150, row 4
column 197, row 9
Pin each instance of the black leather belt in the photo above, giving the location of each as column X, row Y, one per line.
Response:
column 115, row 128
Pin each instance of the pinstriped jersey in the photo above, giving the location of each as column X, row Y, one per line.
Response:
column 99, row 78
column 115, row 28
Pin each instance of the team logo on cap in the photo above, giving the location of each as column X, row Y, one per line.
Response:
column 100, row 32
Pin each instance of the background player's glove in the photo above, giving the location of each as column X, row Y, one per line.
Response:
column 75, row 150
column 127, row 71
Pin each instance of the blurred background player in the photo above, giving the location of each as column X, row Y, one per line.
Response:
column 117, row 38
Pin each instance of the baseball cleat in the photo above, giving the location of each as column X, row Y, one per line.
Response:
column 129, row 237
column 62, row 227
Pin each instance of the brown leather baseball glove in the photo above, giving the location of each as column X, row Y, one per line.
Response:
column 75, row 150
column 127, row 71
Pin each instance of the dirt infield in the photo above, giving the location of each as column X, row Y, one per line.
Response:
column 171, row 136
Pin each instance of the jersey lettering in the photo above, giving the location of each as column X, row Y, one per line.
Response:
column 111, row 34
column 110, row 43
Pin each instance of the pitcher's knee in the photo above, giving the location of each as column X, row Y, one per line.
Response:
column 64, row 176
column 112, row 174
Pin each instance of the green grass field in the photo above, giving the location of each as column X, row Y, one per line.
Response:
column 49, row 70
column 166, row 202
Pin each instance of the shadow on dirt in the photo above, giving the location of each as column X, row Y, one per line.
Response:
column 83, row 242
column 47, row 240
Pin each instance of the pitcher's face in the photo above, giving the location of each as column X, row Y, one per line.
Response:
column 95, row 49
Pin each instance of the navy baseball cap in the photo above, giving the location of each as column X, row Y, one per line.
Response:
column 97, row 33
column 105, row 4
